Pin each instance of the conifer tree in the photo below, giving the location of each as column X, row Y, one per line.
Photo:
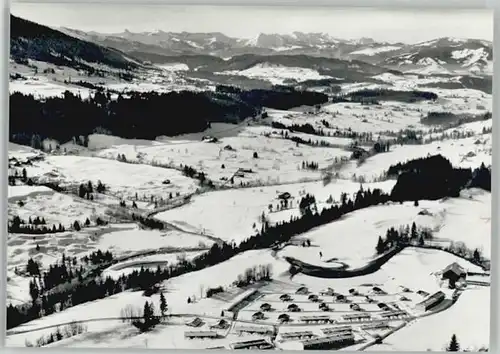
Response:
column 163, row 305
column 453, row 346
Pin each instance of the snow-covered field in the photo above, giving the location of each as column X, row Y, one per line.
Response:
column 238, row 210
column 54, row 207
column 277, row 161
column 468, row 319
column 277, row 74
column 352, row 239
column 123, row 180
column 252, row 164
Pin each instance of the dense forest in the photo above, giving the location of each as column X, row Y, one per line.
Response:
column 433, row 178
column 141, row 115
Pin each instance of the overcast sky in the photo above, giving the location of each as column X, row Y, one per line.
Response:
column 408, row 26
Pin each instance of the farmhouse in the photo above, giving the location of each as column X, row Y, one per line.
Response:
column 297, row 335
column 200, row 334
column 329, row 342
column 357, row 317
column 431, row 301
column 315, row 319
column 259, row 344
column 454, row 273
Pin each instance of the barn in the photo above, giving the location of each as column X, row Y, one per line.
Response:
column 454, row 273
column 259, row 344
column 431, row 301
column 297, row 335
column 315, row 319
column 200, row 334
column 335, row 341
column 357, row 317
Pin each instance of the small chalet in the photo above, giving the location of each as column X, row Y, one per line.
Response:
column 197, row 322
column 258, row 316
column 293, row 308
column 285, row 297
column 341, row 298
column 378, row 291
column 265, row 307
column 284, row 196
column 222, row 324
column 313, row 298
column 454, row 273
column 355, row 307
column 209, row 139
column 302, row 290
column 327, row 292
column 323, row 306
column 284, row 318
column 383, row 306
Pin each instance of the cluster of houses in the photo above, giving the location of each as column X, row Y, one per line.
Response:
column 333, row 337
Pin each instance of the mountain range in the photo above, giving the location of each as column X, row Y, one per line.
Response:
column 442, row 55
column 216, row 52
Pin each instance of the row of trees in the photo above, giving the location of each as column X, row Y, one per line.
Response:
column 85, row 190
column 406, row 235
column 35, row 226
column 68, row 331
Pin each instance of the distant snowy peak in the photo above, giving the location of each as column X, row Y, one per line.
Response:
column 445, row 54
column 472, row 57
column 431, row 69
column 371, row 51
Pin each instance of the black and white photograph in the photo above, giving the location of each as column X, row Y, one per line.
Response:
column 249, row 177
